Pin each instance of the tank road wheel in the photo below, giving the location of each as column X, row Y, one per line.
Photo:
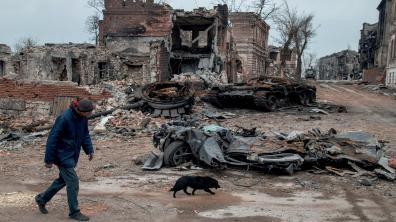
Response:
column 177, row 153
column 266, row 102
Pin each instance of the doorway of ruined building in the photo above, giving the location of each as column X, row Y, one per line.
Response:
column 2, row 68
column 59, row 68
column 184, row 65
column 103, row 70
column 76, row 71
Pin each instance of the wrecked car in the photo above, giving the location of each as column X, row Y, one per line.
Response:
column 262, row 93
column 218, row 147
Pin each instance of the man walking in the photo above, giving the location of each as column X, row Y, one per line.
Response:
column 67, row 136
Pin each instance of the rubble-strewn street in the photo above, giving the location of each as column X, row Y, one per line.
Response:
column 114, row 187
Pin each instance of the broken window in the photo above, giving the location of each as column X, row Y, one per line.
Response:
column 103, row 70
column 2, row 68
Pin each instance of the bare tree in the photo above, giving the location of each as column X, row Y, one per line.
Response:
column 266, row 9
column 287, row 25
column 302, row 38
column 309, row 60
column 98, row 5
column 92, row 27
column 92, row 21
column 295, row 33
column 24, row 43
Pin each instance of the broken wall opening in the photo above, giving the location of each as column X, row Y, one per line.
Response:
column 103, row 70
column 186, row 65
column 60, row 69
column 76, row 71
column 135, row 71
column 2, row 68
column 193, row 34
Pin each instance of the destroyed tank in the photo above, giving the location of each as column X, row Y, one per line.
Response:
column 267, row 94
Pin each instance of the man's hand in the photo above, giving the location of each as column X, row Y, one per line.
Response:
column 90, row 156
column 49, row 165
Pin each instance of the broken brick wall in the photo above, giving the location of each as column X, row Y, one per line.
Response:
column 250, row 34
column 84, row 64
column 127, row 30
column 38, row 98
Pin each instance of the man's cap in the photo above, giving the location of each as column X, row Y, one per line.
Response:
column 85, row 105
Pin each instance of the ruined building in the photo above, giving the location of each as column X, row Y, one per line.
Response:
column 274, row 62
column 144, row 42
column 161, row 41
column 386, row 11
column 343, row 65
column 387, row 41
column 250, row 34
column 83, row 64
column 367, row 46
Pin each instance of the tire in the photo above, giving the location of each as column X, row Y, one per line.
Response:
column 177, row 153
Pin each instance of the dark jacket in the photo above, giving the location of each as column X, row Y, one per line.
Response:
column 67, row 136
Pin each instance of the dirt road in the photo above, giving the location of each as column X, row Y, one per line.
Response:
column 113, row 188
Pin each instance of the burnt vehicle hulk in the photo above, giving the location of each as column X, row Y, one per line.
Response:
column 262, row 93
column 217, row 147
column 168, row 99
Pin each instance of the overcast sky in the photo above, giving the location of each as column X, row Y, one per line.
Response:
column 56, row 21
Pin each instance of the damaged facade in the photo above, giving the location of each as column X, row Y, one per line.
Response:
column 250, row 34
column 367, row 46
column 384, row 68
column 387, row 41
column 83, row 64
column 343, row 65
column 158, row 42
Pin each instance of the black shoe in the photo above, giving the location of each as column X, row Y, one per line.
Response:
column 80, row 217
column 41, row 207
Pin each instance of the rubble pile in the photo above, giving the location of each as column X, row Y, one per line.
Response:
column 381, row 89
column 207, row 79
column 126, row 123
column 355, row 153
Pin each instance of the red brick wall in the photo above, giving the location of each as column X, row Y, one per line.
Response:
column 135, row 19
column 374, row 75
column 46, row 92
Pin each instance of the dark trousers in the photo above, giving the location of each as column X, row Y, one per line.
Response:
column 68, row 178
